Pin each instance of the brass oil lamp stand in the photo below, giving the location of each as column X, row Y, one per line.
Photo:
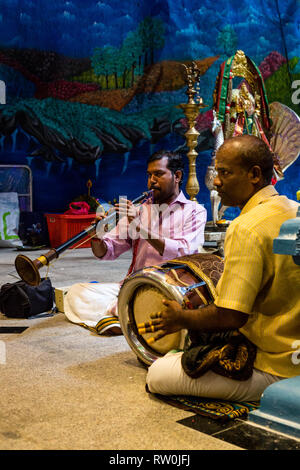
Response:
column 191, row 110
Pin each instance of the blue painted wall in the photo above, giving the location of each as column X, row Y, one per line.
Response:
column 191, row 30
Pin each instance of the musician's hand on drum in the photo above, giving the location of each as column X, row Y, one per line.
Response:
column 172, row 316
column 166, row 322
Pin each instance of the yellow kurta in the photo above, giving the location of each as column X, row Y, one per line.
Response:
column 263, row 284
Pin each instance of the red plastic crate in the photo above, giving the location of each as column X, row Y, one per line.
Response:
column 63, row 227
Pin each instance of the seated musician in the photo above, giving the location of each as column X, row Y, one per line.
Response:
column 166, row 226
column 257, row 295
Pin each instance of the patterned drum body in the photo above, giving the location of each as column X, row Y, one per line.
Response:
column 190, row 280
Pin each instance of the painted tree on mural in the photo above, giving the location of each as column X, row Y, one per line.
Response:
column 103, row 62
column 151, row 30
column 227, row 40
column 279, row 17
column 136, row 52
column 130, row 56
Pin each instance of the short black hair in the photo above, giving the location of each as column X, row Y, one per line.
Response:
column 175, row 161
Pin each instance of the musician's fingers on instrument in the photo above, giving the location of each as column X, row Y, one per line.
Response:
column 149, row 324
column 155, row 315
column 98, row 218
column 126, row 210
column 155, row 338
column 123, row 203
column 146, row 329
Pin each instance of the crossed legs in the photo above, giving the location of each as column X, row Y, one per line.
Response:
column 167, row 377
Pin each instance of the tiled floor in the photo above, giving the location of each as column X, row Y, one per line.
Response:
column 242, row 434
column 12, row 329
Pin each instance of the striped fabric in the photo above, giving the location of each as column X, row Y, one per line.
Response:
column 103, row 325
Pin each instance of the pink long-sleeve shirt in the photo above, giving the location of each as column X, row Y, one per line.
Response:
column 181, row 225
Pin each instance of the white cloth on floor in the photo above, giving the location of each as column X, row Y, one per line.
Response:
column 93, row 305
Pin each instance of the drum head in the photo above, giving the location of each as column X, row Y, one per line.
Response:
column 140, row 295
column 148, row 299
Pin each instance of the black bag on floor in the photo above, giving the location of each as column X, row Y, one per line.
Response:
column 19, row 300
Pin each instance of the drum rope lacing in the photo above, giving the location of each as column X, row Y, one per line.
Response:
column 187, row 285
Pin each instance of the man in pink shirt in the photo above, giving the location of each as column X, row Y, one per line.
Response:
column 166, row 226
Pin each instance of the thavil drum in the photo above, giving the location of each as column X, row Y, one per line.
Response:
column 190, row 280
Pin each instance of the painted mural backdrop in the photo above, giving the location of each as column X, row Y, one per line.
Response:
column 94, row 87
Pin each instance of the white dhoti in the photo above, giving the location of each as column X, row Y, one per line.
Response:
column 94, row 306
column 167, row 377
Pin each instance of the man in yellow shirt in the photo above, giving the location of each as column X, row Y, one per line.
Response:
column 258, row 292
